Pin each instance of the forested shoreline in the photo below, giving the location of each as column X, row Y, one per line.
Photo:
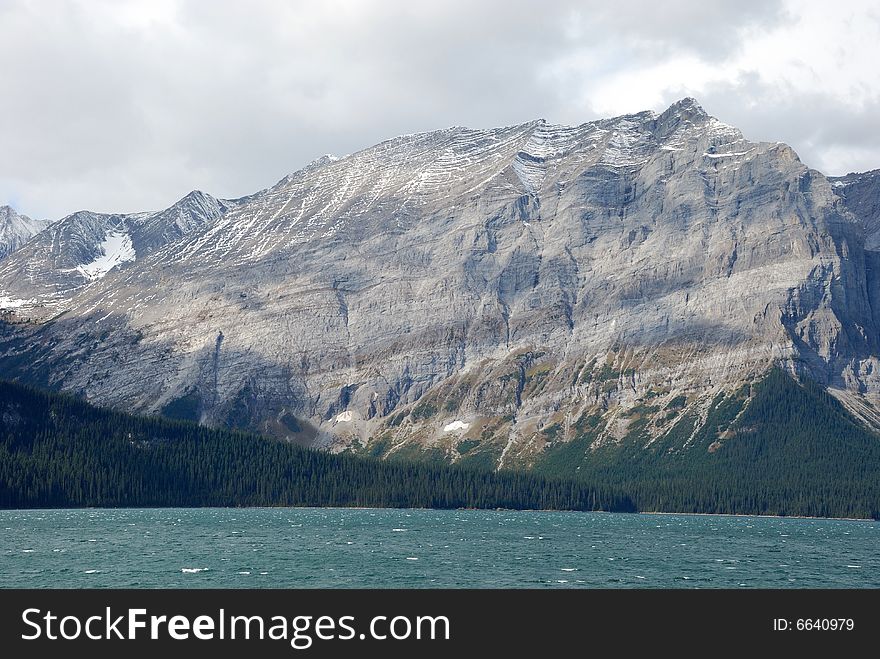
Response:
column 794, row 452
column 58, row 451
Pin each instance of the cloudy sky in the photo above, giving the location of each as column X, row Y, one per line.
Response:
column 117, row 105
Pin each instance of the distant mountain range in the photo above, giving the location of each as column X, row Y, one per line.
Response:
column 489, row 296
column 55, row 265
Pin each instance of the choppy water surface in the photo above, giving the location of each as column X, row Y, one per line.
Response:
column 330, row 548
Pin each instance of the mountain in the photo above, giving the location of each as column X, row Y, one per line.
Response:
column 82, row 248
column 486, row 296
column 16, row 230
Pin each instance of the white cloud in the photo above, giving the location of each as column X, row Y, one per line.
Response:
column 127, row 105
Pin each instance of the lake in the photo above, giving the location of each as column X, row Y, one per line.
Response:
column 348, row 548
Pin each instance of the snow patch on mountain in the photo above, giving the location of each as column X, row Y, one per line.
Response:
column 733, row 154
column 456, row 426
column 116, row 249
column 7, row 302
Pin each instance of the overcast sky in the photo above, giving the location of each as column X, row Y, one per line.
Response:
column 125, row 106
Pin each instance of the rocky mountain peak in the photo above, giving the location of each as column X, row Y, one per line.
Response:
column 685, row 113
column 687, row 106
column 194, row 196
column 195, row 207
column 16, row 229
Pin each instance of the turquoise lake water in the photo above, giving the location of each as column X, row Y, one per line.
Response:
column 346, row 548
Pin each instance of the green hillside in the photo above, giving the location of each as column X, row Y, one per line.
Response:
column 794, row 450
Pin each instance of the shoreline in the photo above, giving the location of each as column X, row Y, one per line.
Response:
column 833, row 519
column 505, row 510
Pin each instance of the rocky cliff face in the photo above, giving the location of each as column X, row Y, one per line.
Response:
column 861, row 196
column 477, row 294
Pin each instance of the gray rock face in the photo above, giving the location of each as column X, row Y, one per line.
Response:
column 488, row 292
column 861, row 196
column 16, row 230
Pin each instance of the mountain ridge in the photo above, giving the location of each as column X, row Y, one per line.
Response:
column 465, row 291
column 83, row 247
